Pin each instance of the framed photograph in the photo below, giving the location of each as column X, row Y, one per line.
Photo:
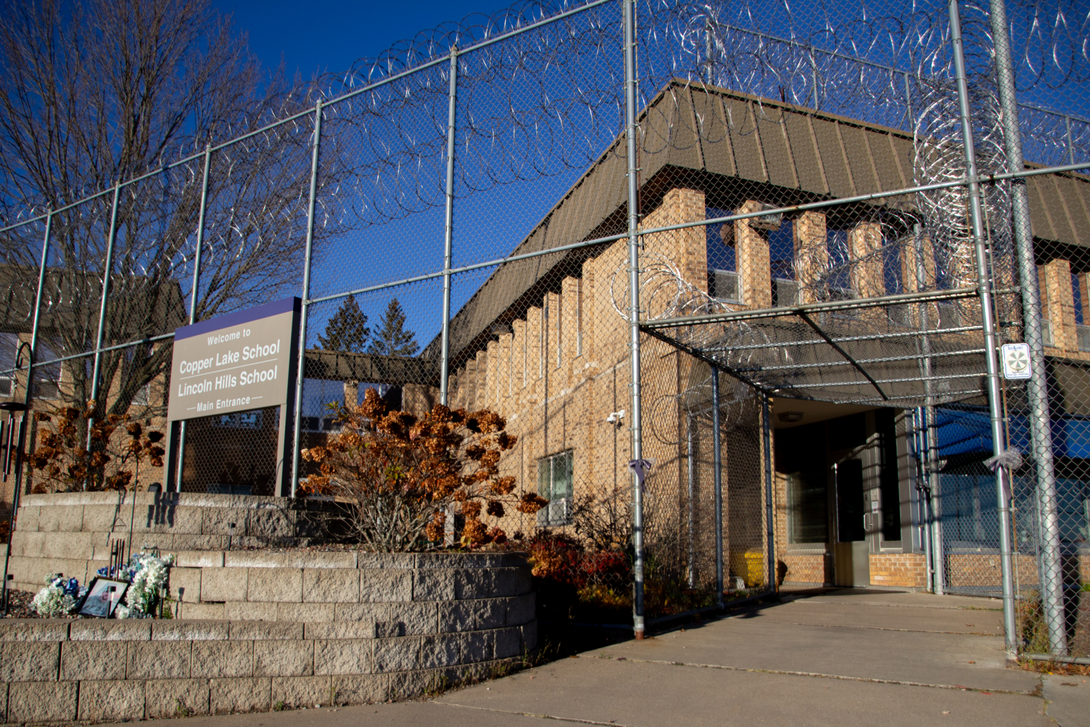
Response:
column 102, row 597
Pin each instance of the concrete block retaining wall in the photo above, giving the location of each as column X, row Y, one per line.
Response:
column 53, row 532
column 335, row 627
column 53, row 670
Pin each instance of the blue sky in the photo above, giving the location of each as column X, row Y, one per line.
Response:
column 327, row 37
column 323, row 35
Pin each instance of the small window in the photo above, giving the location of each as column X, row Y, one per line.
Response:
column 9, row 344
column 142, row 397
column 47, row 372
column 239, row 420
column 554, row 483
column 807, row 508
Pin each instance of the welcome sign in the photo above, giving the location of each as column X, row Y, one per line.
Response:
column 233, row 363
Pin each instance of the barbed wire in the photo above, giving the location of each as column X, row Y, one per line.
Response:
column 548, row 100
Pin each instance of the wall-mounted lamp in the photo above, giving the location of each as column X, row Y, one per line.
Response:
column 789, row 417
column 771, row 221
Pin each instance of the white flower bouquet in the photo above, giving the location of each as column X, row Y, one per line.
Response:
column 147, row 575
column 58, row 598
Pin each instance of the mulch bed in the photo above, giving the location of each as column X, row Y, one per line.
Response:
column 19, row 605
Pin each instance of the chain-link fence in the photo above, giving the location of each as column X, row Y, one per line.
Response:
column 758, row 258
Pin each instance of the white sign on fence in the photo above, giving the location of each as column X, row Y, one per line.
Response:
column 1016, row 362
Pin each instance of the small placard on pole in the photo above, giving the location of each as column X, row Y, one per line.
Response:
column 1016, row 361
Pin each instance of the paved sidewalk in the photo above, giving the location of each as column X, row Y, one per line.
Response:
column 841, row 658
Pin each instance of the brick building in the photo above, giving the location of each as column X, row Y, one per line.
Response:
column 543, row 342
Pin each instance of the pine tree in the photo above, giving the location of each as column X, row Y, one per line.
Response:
column 392, row 339
column 347, row 330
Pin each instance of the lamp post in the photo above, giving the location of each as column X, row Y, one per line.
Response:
column 13, row 408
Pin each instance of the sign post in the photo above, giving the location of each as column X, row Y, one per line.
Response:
column 235, row 363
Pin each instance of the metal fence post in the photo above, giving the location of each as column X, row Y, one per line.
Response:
column 690, row 456
column 814, row 69
column 38, row 307
column 638, row 621
column 929, row 434
column 194, row 294
column 1037, row 386
column 987, row 316
column 301, row 371
column 709, row 46
column 923, row 493
column 102, row 307
column 1067, row 119
column 770, row 529
column 938, row 551
column 717, row 479
column 448, row 234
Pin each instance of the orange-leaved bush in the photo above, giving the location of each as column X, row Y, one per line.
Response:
column 64, row 460
column 400, row 477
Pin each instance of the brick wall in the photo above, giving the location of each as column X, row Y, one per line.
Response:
column 564, row 367
column 898, row 570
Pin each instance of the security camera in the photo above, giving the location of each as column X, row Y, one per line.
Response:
column 615, row 417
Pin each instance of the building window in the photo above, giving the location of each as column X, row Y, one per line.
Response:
column 838, row 279
column 142, row 397
column 722, row 260
column 554, row 483
column 9, row 344
column 807, row 508
column 253, row 419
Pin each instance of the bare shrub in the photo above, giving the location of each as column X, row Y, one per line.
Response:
column 400, row 477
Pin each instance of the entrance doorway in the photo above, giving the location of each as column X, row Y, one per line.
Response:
column 844, row 489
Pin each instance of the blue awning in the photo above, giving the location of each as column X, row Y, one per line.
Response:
column 970, row 432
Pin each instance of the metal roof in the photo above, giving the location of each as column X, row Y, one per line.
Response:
column 713, row 138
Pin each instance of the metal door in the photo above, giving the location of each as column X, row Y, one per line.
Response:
column 850, row 547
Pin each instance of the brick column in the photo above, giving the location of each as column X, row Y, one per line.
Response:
column 553, row 333
column 569, row 326
column 520, row 376
column 505, row 369
column 867, row 271
column 467, row 385
column 1060, row 309
column 811, row 255
column 754, row 265
column 490, row 398
column 534, row 361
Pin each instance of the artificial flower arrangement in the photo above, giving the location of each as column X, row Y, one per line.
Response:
column 143, row 579
column 147, row 574
column 59, row 597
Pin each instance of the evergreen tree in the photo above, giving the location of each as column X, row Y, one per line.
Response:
column 392, row 339
column 347, row 330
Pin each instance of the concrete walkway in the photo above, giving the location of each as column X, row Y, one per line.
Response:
column 840, row 657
